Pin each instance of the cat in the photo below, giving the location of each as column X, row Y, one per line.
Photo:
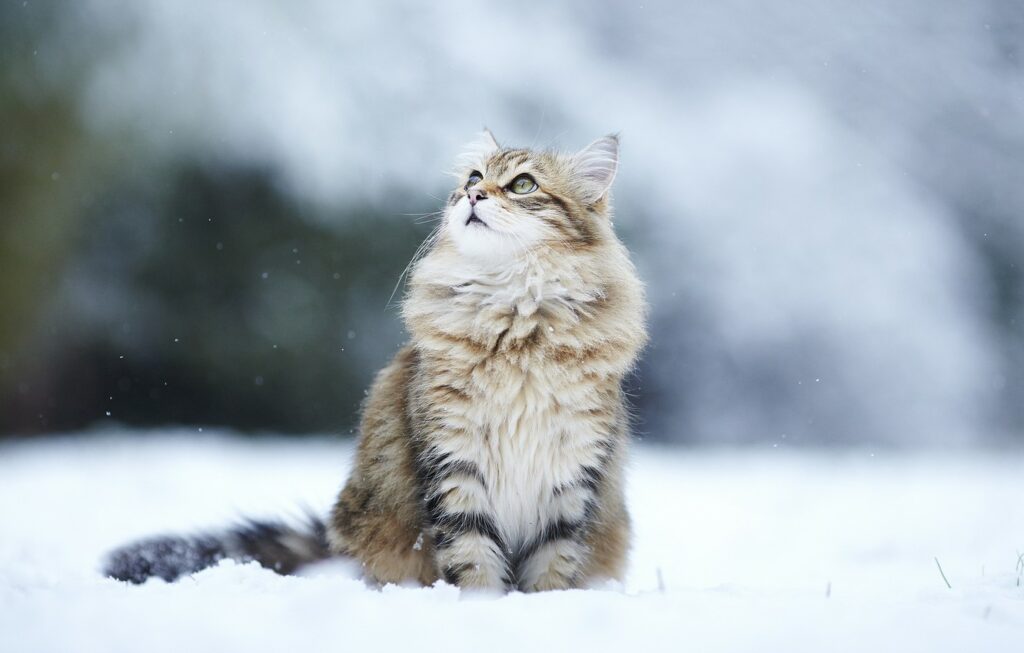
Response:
column 492, row 447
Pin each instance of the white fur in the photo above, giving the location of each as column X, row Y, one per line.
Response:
column 527, row 437
column 533, row 448
column 502, row 237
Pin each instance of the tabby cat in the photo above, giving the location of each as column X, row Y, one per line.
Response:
column 493, row 446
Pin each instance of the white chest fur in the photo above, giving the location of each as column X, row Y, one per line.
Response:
column 528, row 444
column 530, row 437
column 528, row 423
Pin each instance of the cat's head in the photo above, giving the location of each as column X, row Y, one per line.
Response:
column 511, row 201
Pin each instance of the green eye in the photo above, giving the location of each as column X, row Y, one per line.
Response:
column 523, row 184
column 474, row 177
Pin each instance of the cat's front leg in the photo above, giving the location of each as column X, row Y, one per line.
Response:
column 557, row 556
column 468, row 555
column 556, row 565
column 468, row 548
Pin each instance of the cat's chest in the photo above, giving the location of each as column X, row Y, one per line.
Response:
column 528, row 442
column 524, row 411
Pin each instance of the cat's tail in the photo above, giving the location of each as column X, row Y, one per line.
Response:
column 273, row 544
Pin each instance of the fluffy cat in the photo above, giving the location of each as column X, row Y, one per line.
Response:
column 492, row 448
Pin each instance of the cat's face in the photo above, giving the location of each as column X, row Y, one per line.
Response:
column 512, row 201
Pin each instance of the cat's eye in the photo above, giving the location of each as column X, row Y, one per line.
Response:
column 523, row 184
column 474, row 178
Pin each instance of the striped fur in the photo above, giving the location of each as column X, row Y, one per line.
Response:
column 275, row 545
column 493, row 446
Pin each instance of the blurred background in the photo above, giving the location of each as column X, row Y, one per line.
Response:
column 205, row 206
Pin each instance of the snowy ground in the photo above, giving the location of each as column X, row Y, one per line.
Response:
column 766, row 550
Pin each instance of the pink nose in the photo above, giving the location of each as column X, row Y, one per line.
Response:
column 475, row 195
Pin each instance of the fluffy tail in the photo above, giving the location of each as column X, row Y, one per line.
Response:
column 273, row 544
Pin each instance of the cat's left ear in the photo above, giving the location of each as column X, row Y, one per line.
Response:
column 487, row 137
column 596, row 165
column 478, row 150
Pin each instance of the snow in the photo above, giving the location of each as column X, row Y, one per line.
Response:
column 736, row 549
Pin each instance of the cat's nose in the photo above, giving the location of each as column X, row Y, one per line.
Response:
column 475, row 195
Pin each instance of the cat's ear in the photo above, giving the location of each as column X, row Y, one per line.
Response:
column 478, row 150
column 487, row 136
column 596, row 165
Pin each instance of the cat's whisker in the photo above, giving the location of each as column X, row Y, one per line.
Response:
column 421, row 251
column 428, row 218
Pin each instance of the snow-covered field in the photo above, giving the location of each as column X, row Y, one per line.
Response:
column 760, row 550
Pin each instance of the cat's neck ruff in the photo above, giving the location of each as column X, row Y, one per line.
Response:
column 524, row 283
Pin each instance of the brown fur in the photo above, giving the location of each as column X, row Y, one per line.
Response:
column 484, row 363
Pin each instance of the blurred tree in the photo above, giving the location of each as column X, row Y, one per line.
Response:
column 209, row 297
column 152, row 290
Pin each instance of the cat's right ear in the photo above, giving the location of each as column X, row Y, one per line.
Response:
column 478, row 150
column 596, row 165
